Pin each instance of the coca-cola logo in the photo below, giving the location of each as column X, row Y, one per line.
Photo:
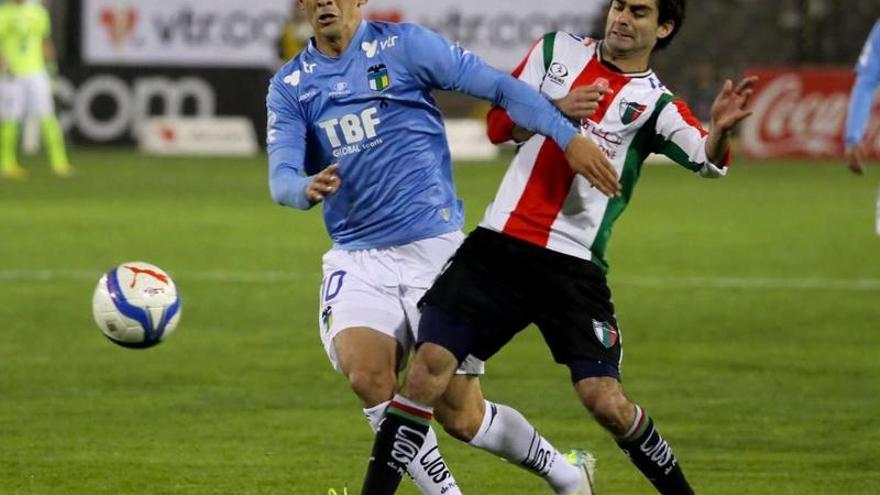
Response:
column 800, row 115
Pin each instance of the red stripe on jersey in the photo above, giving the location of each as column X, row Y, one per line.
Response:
column 598, row 74
column 499, row 126
column 543, row 197
column 688, row 117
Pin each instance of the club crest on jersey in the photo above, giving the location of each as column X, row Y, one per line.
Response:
column 606, row 333
column 630, row 111
column 378, row 77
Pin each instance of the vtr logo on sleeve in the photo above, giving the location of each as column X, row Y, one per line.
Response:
column 352, row 128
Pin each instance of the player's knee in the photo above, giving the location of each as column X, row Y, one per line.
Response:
column 372, row 386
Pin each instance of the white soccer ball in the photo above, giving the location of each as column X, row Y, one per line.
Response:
column 136, row 305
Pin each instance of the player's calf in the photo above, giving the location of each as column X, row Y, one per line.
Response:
column 604, row 398
column 635, row 434
column 461, row 409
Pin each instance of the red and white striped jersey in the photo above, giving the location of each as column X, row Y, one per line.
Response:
column 541, row 200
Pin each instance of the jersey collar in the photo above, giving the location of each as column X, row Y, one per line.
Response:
column 616, row 69
column 352, row 47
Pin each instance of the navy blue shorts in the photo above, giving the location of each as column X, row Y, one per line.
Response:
column 496, row 285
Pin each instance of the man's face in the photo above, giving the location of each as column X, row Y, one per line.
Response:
column 632, row 26
column 330, row 18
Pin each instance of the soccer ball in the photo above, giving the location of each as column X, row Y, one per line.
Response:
column 136, row 305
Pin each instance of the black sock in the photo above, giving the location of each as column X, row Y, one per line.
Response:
column 653, row 456
column 398, row 441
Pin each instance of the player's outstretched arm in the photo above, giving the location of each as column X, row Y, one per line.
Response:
column 440, row 64
column 867, row 81
column 728, row 110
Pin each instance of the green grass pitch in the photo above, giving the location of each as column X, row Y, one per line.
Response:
column 750, row 308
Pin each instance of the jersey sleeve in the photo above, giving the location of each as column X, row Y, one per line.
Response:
column 681, row 137
column 862, row 97
column 531, row 70
column 440, row 64
column 286, row 144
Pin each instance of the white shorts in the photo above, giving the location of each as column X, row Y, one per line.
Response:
column 381, row 288
column 26, row 96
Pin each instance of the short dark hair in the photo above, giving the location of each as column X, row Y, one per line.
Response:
column 670, row 10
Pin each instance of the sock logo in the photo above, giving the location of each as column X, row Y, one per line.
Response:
column 434, row 465
column 540, row 459
column 660, row 453
column 407, row 443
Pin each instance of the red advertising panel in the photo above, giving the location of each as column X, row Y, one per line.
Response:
column 801, row 113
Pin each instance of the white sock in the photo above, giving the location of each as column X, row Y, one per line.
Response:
column 508, row 434
column 428, row 471
column 878, row 214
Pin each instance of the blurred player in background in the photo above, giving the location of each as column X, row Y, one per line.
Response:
column 539, row 253
column 295, row 34
column 860, row 103
column 27, row 56
column 353, row 124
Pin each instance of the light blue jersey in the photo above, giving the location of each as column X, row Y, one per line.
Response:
column 867, row 80
column 371, row 111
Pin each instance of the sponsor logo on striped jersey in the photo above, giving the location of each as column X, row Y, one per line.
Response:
column 557, row 73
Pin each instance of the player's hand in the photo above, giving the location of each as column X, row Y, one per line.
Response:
column 586, row 159
column 855, row 158
column 323, row 183
column 730, row 106
column 581, row 102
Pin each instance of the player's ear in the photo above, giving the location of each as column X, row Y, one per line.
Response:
column 665, row 29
